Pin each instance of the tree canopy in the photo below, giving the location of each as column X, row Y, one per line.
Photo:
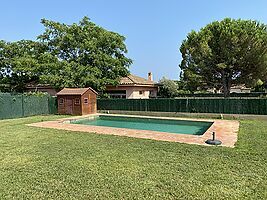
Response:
column 77, row 55
column 18, row 64
column 224, row 53
column 168, row 88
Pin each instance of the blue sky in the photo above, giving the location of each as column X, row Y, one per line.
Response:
column 154, row 29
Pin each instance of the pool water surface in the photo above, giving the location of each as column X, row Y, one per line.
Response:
column 160, row 125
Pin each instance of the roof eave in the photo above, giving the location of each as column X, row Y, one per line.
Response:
column 133, row 85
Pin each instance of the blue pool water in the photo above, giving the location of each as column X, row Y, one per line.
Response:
column 161, row 125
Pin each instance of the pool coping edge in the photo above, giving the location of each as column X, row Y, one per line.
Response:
column 226, row 130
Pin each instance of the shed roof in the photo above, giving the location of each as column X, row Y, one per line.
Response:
column 75, row 91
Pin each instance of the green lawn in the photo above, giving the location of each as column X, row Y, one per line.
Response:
column 41, row 163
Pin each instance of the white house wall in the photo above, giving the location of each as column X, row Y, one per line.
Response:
column 132, row 92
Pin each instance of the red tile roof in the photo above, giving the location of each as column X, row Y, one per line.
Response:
column 132, row 80
column 75, row 91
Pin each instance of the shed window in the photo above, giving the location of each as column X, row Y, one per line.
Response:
column 85, row 100
column 61, row 101
column 77, row 101
column 141, row 92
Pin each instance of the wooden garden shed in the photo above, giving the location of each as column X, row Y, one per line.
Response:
column 77, row 101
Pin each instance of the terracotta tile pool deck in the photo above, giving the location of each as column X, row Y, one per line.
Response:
column 226, row 130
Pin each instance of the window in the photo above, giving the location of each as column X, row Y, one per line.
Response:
column 77, row 101
column 61, row 101
column 116, row 94
column 141, row 92
column 85, row 100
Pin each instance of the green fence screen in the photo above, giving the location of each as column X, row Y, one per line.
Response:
column 14, row 106
column 257, row 106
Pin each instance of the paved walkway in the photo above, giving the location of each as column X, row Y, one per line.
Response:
column 226, row 130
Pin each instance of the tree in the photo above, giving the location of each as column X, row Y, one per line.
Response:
column 182, row 88
column 77, row 55
column 82, row 55
column 259, row 86
column 168, row 88
column 224, row 53
column 18, row 64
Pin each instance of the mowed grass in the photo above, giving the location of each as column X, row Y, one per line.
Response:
column 38, row 163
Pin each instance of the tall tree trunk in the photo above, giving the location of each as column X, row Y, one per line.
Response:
column 226, row 79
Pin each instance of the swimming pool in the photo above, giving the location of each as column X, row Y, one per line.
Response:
column 152, row 124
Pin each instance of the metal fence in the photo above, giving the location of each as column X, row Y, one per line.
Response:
column 255, row 106
column 14, row 106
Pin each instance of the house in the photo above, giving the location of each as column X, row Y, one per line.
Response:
column 134, row 87
column 77, row 101
column 41, row 88
column 240, row 89
column 234, row 89
column 214, row 90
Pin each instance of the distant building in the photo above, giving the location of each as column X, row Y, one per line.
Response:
column 233, row 89
column 240, row 89
column 214, row 90
column 134, row 87
column 130, row 87
column 41, row 88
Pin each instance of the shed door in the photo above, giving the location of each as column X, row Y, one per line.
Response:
column 69, row 106
column 91, row 104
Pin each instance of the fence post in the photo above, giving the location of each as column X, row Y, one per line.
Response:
column 22, row 105
column 186, row 105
